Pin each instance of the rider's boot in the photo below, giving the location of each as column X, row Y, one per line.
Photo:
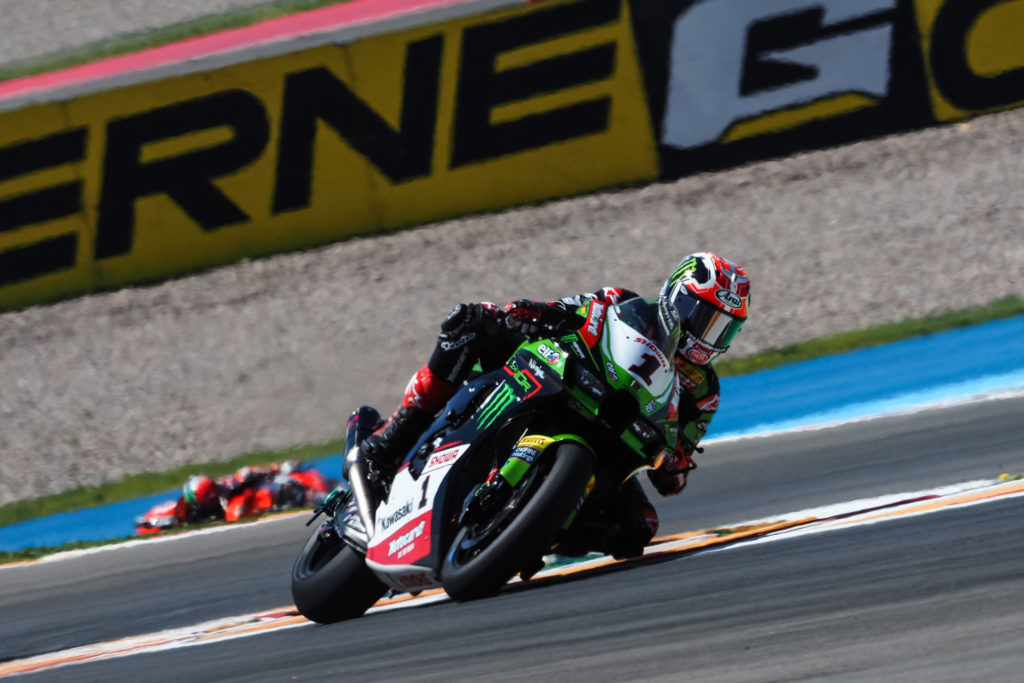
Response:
column 426, row 394
column 363, row 421
column 623, row 529
column 386, row 448
column 635, row 522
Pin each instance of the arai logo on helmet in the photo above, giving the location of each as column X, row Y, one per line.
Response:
column 730, row 299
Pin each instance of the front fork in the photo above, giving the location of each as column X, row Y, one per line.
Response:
column 350, row 509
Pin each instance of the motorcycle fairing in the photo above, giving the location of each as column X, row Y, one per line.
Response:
column 160, row 517
column 404, row 529
column 638, row 357
column 645, row 365
column 617, row 350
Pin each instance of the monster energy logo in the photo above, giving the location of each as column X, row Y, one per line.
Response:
column 500, row 400
column 685, row 268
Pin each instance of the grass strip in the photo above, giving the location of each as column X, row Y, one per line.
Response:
column 136, row 42
column 153, row 483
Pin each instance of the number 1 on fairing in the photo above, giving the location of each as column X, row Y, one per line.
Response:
column 646, row 369
column 423, row 499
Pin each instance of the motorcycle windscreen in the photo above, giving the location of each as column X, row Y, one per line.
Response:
column 643, row 357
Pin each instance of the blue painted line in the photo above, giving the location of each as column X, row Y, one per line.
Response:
column 91, row 524
column 874, row 381
column 897, row 403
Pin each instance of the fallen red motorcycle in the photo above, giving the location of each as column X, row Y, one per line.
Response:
column 247, row 494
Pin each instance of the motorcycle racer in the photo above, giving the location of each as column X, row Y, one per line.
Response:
column 200, row 499
column 706, row 296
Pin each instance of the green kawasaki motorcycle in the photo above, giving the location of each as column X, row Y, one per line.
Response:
column 516, row 461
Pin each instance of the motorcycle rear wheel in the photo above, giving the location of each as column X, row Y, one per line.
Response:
column 331, row 582
column 479, row 564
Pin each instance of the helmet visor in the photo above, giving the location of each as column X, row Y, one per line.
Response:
column 710, row 325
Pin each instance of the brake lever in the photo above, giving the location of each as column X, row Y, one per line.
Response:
column 330, row 504
column 316, row 513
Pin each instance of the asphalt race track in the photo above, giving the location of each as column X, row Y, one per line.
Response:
column 935, row 597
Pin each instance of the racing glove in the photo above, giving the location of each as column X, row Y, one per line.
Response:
column 670, row 477
column 534, row 318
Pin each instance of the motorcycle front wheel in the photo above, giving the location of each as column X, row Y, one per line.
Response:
column 487, row 553
column 331, row 582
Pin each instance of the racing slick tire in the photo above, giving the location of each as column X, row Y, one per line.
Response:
column 331, row 582
column 484, row 556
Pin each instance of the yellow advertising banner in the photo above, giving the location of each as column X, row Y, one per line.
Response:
column 974, row 55
column 153, row 180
